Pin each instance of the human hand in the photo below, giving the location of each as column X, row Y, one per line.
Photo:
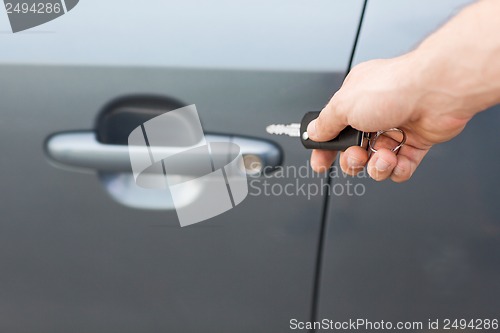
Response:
column 381, row 94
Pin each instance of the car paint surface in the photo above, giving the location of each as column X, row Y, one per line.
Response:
column 75, row 260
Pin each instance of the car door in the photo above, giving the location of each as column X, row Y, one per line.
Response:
column 76, row 255
column 427, row 249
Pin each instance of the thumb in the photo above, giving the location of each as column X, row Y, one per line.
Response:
column 328, row 124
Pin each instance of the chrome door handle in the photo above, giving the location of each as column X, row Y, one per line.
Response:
column 82, row 150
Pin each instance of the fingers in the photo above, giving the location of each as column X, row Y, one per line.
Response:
column 328, row 125
column 408, row 161
column 403, row 170
column 381, row 164
column 384, row 163
column 353, row 160
column 321, row 160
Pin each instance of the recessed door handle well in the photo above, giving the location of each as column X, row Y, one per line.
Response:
column 82, row 150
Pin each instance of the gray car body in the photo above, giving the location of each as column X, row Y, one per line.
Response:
column 74, row 260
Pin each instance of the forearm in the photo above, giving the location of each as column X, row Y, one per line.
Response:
column 461, row 61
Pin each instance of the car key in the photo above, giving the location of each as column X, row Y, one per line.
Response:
column 348, row 137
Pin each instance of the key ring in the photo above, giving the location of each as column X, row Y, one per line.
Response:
column 372, row 140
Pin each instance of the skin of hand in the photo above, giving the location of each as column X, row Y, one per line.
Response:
column 426, row 93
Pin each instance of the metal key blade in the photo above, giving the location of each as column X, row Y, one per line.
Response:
column 281, row 129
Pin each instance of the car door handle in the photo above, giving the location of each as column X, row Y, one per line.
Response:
column 82, row 150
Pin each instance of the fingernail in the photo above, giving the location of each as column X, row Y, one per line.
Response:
column 398, row 171
column 352, row 162
column 381, row 165
column 311, row 129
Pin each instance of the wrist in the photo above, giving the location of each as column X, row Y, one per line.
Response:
column 444, row 82
column 458, row 65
